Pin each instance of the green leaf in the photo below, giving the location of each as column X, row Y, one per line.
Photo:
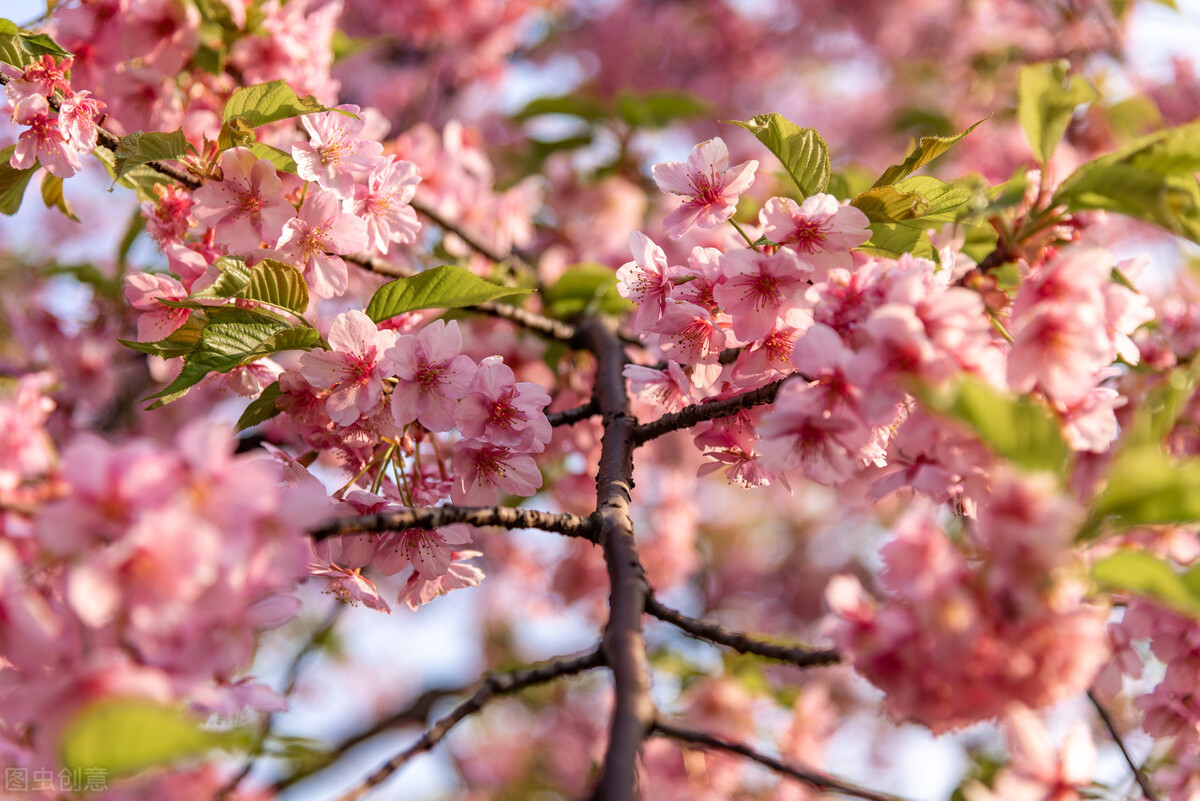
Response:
column 1046, row 99
column 445, row 287
column 1171, row 202
column 1145, row 487
column 276, row 284
column 802, row 151
column 896, row 239
column 21, row 48
column 120, row 736
column 268, row 102
column 236, row 133
column 40, row 44
column 585, row 289
column 889, row 204
column 53, row 197
column 945, row 202
column 140, row 148
column 12, row 182
column 1019, row 429
column 261, row 409
column 1160, row 409
column 658, row 109
column 232, row 280
column 281, row 160
column 586, row 108
column 929, row 149
column 141, row 179
column 1140, row 573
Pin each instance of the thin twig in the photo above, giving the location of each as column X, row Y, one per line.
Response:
column 416, row 713
column 486, row 689
column 624, row 645
column 435, row 517
column 1138, row 774
column 710, row 410
column 471, row 241
column 569, row 417
column 812, row 778
column 798, row 655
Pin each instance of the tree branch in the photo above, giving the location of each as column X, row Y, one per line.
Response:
column 623, row 644
column 797, row 655
column 812, row 778
column 486, row 689
column 1139, row 775
column 434, row 517
column 710, row 410
column 569, row 417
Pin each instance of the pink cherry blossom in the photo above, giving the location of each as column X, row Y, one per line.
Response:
column 352, row 369
column 421, row 589
column 482, row 470
column 820, row 229
column 43, row 141
column 312, row 239
column 429, row 551
column 711, row 187
column 503, row 411
column 758, row 289
column 383, row 201
column 335, row 155
column 1037, row 772
column 432, row 375
column 157, row 321
column 645, row 280
column 246, row 208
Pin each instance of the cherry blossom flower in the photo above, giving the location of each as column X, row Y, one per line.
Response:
column 758, row 288
column 157, row 321
column 353, row 369
column 77, row 115
column 246, row 208
column 334, row 154
column 430, row 551
column 710, row 185
column 312, row 239
column 383, row 201
column 482, row 470
column 43, row 141
column 820, row 229
column 432, row 375
column 421, row 589
column 645, row 280
column 501, row 410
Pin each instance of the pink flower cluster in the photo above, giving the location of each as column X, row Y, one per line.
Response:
column 151, row 575
column 53, row 139
column 967, row 629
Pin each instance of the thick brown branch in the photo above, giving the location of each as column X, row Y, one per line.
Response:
column 797, row 655
column 571, row 416
column 624, row 646
column 434, row 517
column 491, row 686
column 1138, row 774
column 699, row 412
column 820, row 781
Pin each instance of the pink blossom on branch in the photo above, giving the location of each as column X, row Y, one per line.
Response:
column 314, row 237
column 711, row 187
column 433, row 374
column 353, row 369
column 335, row 156
column 246, row 208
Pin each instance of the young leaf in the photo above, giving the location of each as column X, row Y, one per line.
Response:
column 277, row 284
column 929, row 149
column 268, row 102
column 53, row 197
column 282, row 161
column 1146, row 486
column 1019, row 429
column 119, row 736
column 895, row 239
column 658, row 109
column 445, row 287
column 1046, row 99
column 889, row 204
column 261, row 409
column 12, row 182
column 140, row 148
column 587, row 287
column 233, row 278
column 1141, row 573
column 802, row 151
column 181, row 342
